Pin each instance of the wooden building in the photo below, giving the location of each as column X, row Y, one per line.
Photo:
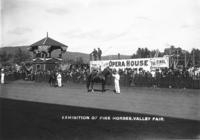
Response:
column 42, row 50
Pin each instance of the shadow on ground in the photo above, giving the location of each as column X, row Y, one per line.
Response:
column 38, row 121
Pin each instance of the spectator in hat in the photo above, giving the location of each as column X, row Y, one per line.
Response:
column 2, row 76
column 95, row 54
column 99, row 53
column 116, row 81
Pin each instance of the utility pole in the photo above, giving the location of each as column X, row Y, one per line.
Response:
column 193, row 58
column 185, row 60
column 171, row 58
column 177, row 57
column 177, row 60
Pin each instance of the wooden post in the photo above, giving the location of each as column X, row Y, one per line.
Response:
column 185, row 60
column 44, row 62
column 193, row 58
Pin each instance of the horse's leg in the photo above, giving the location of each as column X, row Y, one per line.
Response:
column 88, row 84
column 54, row 82
column 50, row 81
column 103, row 85
column 92, row 84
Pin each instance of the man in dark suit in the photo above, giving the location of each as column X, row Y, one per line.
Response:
column 99, row 53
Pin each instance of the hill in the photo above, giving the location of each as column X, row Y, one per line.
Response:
column 66, row 56
column 13, row 49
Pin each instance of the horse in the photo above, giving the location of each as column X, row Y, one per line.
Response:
column 97, row 77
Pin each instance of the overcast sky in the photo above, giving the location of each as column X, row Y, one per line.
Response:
column 116, row 26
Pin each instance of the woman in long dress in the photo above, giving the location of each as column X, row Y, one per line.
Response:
column 116, row 81
column 2, row 76
column 59, row 79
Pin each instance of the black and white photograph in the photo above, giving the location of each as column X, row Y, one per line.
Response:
column 99, row 69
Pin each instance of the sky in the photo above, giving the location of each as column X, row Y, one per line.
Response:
column 115, row 26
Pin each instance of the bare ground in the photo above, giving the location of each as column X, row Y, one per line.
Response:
column 35, row 110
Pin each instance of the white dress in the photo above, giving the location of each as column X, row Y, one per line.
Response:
column 116, row 81
column 59, row 80
column 2, row 78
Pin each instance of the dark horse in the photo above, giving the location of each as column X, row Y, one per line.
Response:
column 52, row 78
column 97, row 77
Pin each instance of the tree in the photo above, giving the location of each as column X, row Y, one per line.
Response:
column 170, row 51
column 181, row 57
column 156, row 53
column 79, row 60
column 176, row 56
column 141, row 53
column 195, row 57
column 5, row 57
column 21, row 56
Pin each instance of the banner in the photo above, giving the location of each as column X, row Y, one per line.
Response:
column 146, row 64
column 159, row 62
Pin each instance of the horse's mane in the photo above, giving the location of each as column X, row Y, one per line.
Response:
column 100, row 74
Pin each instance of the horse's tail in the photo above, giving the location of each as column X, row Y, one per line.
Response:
column 88, row 81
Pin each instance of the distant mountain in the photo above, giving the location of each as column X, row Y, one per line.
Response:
column 66, row 56
column 113, row 57
column 13, row 49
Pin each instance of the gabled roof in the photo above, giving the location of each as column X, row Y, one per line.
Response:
column 49, row 42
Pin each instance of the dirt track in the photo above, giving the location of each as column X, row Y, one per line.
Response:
column 35, row 119
column 176, row 103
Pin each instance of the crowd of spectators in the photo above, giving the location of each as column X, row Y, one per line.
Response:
column 168, row 78
column 75, row 73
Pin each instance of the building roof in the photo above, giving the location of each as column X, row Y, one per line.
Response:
column 48, row 42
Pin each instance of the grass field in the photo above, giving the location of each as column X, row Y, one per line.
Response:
column 35, row 111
